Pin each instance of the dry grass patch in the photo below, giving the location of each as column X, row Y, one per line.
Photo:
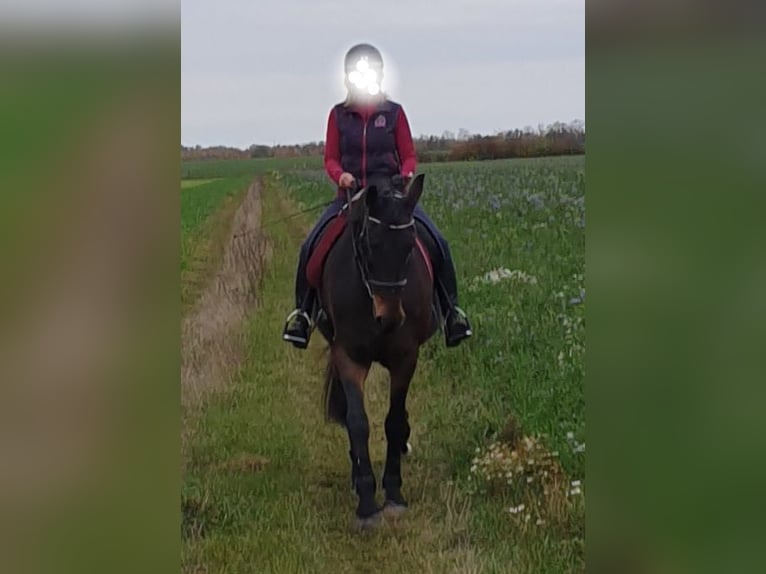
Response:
column 245, row 462
column 520, row 469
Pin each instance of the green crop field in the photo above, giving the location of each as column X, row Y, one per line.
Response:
column 205, row 209
column 497, row 479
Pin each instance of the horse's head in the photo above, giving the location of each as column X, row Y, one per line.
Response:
column 384, row 236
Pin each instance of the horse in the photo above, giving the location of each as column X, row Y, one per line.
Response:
column 377, row 295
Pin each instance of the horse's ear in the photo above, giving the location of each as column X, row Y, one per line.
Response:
column 414, row 192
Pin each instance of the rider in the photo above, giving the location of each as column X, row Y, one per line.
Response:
column 368, row 135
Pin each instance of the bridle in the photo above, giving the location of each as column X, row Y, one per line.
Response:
column 361, row 261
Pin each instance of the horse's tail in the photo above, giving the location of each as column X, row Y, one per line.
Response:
column 334, row 395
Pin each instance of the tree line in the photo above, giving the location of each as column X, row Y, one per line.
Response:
column 551, row 140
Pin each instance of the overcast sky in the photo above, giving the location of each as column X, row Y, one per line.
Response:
column 268, row 71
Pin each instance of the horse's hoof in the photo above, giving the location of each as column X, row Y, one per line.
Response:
column 407, row 450
column 369, row 523
column 393, row 509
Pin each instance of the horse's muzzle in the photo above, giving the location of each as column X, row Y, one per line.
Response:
column 388, row 312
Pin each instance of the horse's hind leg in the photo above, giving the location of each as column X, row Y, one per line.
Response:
column 352, row 376
column 397, row 433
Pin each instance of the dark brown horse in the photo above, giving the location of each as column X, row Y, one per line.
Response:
column 377, row 296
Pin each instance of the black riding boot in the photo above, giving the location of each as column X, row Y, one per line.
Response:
column 298, row 324
column 456, row 325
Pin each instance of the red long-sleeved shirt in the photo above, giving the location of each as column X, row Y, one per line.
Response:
column 404, row 144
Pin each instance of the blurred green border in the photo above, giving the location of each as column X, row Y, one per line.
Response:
column 675, row 281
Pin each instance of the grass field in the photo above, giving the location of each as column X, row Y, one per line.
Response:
column 266, row 488
column 206, row 207
column 189, row 183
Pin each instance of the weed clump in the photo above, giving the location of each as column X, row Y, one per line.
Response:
column 520, row 470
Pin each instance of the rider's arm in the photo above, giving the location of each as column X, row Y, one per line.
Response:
column 404, row 145
column 332, row 149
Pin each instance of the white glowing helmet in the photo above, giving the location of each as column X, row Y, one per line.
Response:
column 364, row 69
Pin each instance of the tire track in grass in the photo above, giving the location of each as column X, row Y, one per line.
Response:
column 292, row 511
column 210, row 330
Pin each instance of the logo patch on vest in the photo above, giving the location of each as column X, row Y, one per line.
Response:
column 380, row 121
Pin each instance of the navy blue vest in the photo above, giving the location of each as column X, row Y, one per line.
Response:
column 368, row 149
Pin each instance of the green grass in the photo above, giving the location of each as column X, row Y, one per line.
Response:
column 206, row 210
column 188, row 183
column 267, row 483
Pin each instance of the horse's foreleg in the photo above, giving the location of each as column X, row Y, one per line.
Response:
column 352, row 377
column 397, row 433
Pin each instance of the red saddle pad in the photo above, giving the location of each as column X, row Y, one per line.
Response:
column 317, row 258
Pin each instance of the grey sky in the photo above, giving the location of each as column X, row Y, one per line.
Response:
column 268, row 71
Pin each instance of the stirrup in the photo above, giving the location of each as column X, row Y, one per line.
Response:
column 301, row 338
column 451, row 338
column 303, row 314
column 295, row 339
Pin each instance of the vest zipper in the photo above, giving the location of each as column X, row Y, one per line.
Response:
column 364, row 152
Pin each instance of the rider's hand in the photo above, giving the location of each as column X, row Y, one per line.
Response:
column 346, row 180
column 401, row 181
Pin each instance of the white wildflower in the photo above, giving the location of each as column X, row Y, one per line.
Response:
column 502, row 273
column 516, row 509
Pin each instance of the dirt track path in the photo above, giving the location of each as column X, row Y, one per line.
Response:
column 212, row 332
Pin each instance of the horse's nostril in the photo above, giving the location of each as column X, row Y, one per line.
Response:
column 379, row 319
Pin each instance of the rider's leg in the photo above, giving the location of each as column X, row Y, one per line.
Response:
column 456, row 325
column 297, row 328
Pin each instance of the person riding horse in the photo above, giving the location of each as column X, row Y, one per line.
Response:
column 368, row 137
